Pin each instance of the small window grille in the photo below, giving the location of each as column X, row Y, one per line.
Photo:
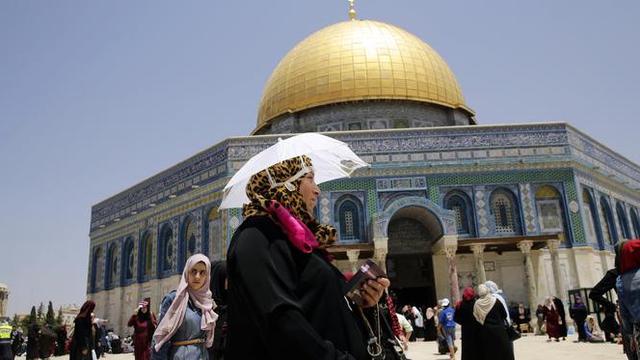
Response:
column 503, row 214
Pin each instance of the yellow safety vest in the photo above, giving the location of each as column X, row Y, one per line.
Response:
column 5, row 332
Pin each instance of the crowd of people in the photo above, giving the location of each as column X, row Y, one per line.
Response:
column 278, row 296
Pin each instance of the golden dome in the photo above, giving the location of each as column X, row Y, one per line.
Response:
column 358, row 60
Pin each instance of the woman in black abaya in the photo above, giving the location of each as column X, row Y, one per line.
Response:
column 285, row 297
column 492, row 316
column 471, row 346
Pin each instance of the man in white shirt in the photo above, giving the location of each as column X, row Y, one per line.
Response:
column 407, row 329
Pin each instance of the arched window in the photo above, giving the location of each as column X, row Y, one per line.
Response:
column 112, row 267
column 608, row 225
column 635, row 222
column 349, row 211
column 127, row 261
column 504, row 209
column 591, row 217
column 549, row 209
column 214, row 234
column 167, row 250
column 461, row 205
column 145, row 256
column 187, row 241
column 622, row 220
column 96, row 268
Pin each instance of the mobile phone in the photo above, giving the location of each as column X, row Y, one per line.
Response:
column 368, row 271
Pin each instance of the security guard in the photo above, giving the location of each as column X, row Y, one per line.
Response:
column 5, row 340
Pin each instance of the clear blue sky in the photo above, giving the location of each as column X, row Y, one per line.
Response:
column 96, row 96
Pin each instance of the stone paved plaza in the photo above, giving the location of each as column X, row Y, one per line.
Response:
column 535, row 348
column 527, row 348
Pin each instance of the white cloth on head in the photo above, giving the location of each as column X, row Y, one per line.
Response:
column 418, row 317
column 484, row 304
column 495, row 291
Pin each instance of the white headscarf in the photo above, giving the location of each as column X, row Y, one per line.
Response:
column 495, row 291
column 484, row 304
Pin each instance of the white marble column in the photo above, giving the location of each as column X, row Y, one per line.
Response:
column 353, row 256
column 561, row 291
column 478, row 256
column 450, row 252
column 525, row 247
column 380, row 251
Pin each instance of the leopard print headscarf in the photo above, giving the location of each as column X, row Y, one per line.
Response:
column 260, row 193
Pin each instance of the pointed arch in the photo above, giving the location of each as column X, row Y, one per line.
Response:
column 593, row 229
column 127, row 261
column 609, row 232
column 167, row 250
column 460, row 203
column 635, row 222
column 187, row 241
column 111, row 273
column 549, row 208
column 504, row 208
column 214, row 234
column 145, row 257
column 350, row 213
column 622, row 220
column 96, row 267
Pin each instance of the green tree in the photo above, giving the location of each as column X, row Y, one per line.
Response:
column 51, row 317
column 29, row 320
column 40, row 314
column 59, row 319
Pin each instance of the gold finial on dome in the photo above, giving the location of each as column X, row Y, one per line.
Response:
column 352, row 10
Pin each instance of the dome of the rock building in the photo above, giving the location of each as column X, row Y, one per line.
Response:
column 354, row 61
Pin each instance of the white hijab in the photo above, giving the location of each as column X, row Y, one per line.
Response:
column 484, row 304
column 495, row 291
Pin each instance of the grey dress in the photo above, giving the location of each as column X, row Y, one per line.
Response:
column 188, row 330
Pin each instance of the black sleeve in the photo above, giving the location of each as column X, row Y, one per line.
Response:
column 266, row 275
column 82, row 334
column 607, row 283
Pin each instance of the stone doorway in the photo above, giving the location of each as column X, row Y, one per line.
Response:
column 411, row 233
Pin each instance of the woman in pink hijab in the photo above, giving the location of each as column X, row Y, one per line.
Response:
column 187, row 319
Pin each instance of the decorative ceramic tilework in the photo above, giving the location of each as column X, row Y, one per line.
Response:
column 600, row 156
column 325, row 208
column 481, row 214
column 400, row 184
column 134, row 197
column 384, row 198
column 577, row 234
column 528, row 209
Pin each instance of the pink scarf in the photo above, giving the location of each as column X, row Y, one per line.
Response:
column 298, row 233
column 201, row 298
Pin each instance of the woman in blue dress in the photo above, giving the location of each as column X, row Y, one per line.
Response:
column 187, row 319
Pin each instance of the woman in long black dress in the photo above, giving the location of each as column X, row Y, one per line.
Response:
column 82, row 341
column 285, row 297
column 218, row 286
column 430, row 331
column 471, row 347
column 492, row 316
column 562, row 316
